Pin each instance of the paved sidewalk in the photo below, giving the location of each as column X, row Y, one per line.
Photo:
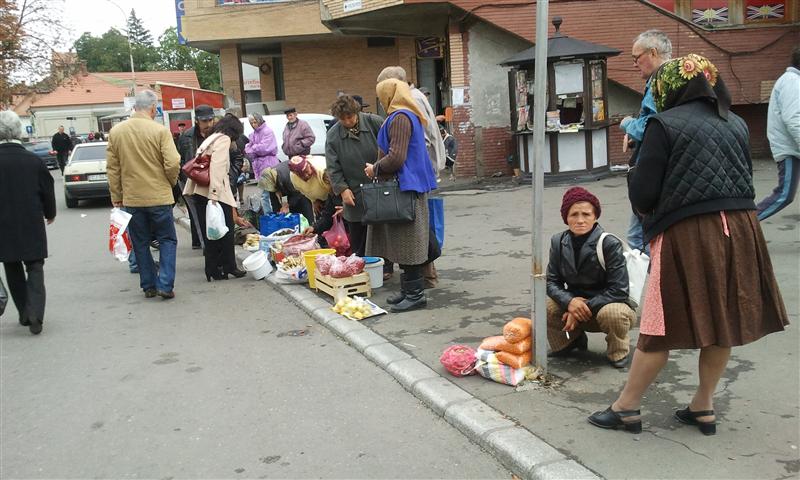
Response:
column 543, row 433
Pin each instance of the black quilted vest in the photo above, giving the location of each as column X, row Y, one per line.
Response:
column 709, row 167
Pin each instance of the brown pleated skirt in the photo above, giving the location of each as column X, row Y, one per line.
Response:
column 717, row 284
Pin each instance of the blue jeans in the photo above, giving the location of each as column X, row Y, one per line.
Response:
column 784, row 193
column 635, row 236
column 148, row 223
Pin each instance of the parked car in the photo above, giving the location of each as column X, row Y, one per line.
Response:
column 85, row 174
column 43, row 150
column 319, row 125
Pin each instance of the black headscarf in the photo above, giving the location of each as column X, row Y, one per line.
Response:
column 673, row 88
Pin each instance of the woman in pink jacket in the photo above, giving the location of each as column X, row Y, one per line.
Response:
column 262, row 150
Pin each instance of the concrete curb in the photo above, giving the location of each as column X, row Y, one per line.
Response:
column 516, row 448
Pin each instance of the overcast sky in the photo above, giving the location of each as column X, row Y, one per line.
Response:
column 97, row 16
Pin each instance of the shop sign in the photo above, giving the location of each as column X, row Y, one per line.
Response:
column 351, row 5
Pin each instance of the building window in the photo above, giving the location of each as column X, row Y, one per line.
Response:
column 710, row 13
column 764, row 10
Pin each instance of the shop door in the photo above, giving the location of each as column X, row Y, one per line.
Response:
column 429, row 75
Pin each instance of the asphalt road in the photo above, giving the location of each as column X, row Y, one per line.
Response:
column 228, row 380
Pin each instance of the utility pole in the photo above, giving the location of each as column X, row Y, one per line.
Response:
column 538, row 292
column 130, row 47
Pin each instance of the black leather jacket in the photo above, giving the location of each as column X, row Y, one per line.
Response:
column 587, row 279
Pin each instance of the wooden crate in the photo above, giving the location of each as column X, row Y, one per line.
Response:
column 339, row 287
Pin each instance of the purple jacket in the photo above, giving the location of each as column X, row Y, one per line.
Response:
column 262, row 150
column 298, row 140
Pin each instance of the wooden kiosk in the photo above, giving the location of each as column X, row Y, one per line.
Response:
column 576, row 139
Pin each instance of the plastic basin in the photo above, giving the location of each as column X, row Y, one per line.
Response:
column 257, row 264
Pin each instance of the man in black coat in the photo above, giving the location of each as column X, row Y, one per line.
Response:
column 187, row 147
column 62, row 144
column 27, row 198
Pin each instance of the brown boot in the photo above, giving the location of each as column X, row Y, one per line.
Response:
column 430, row 275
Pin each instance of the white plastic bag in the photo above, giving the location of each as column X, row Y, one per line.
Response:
column 637, row 264
column 215, row 221
column 119, row 244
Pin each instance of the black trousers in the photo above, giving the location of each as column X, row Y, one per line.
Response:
column 357, row 233
column 219, row 254
column 28, row 293
column 62, row 157
column 190, row 209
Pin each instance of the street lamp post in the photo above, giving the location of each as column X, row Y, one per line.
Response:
column 130, row 47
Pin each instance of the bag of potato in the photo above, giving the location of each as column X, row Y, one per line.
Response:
column 499, row 344
column 517, row 330
column 514, row 361
column 490, row 367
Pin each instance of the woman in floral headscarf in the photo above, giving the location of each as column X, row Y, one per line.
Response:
column 711, row 282
column 401, row 141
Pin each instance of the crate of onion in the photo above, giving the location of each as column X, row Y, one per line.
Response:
column 341, row 277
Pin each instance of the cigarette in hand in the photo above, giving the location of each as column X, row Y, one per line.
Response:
column 567, row 335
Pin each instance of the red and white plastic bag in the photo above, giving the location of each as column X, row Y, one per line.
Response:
column 119, row 243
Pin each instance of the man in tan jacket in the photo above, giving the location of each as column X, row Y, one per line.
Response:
column 142, row 166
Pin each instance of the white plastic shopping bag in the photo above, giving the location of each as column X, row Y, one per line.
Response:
column 636, row 262
column 119, row 244
column 215, row 221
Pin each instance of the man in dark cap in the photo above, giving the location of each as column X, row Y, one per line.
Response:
column 187, row 147
column 297, row 135
column 360, row 101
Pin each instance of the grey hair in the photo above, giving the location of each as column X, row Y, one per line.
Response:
column 10, row 126
column 658, row 40
column 145, row 99
column 395, row 72
column 257, row 117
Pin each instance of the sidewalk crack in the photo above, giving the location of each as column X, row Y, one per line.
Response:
column 687, row 447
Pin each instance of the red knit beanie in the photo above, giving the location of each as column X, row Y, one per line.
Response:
column 575, row 195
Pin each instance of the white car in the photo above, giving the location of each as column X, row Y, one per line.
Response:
column 317, row 121
column 85, row 174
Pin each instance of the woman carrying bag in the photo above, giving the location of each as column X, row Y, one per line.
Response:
column 220, row 257
column 402, row 154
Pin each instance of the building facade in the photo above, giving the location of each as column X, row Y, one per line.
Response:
column 308, row 51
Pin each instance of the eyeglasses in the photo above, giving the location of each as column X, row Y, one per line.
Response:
column 636, row 57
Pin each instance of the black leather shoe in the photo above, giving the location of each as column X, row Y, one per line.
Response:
column 237, row 273
column 398, row 297
column 613, row 420
column 35, row 326
column 581, row 343
column 621, row 363
column 690, row 418
column 24, row 321
column 414, row 296
column 150, row 293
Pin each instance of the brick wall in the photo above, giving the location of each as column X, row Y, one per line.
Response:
column 315, row 71
column 744, row 56
column 230, row 61
column 756, row 118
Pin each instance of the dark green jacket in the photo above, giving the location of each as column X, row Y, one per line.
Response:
column 347, row 155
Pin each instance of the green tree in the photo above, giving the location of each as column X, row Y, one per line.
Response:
column 29, row 32
column 145, row 56
column 138, row 33
column 106, row 53
column 174, row 56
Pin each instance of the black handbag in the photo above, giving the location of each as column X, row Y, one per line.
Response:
column 384, row 202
